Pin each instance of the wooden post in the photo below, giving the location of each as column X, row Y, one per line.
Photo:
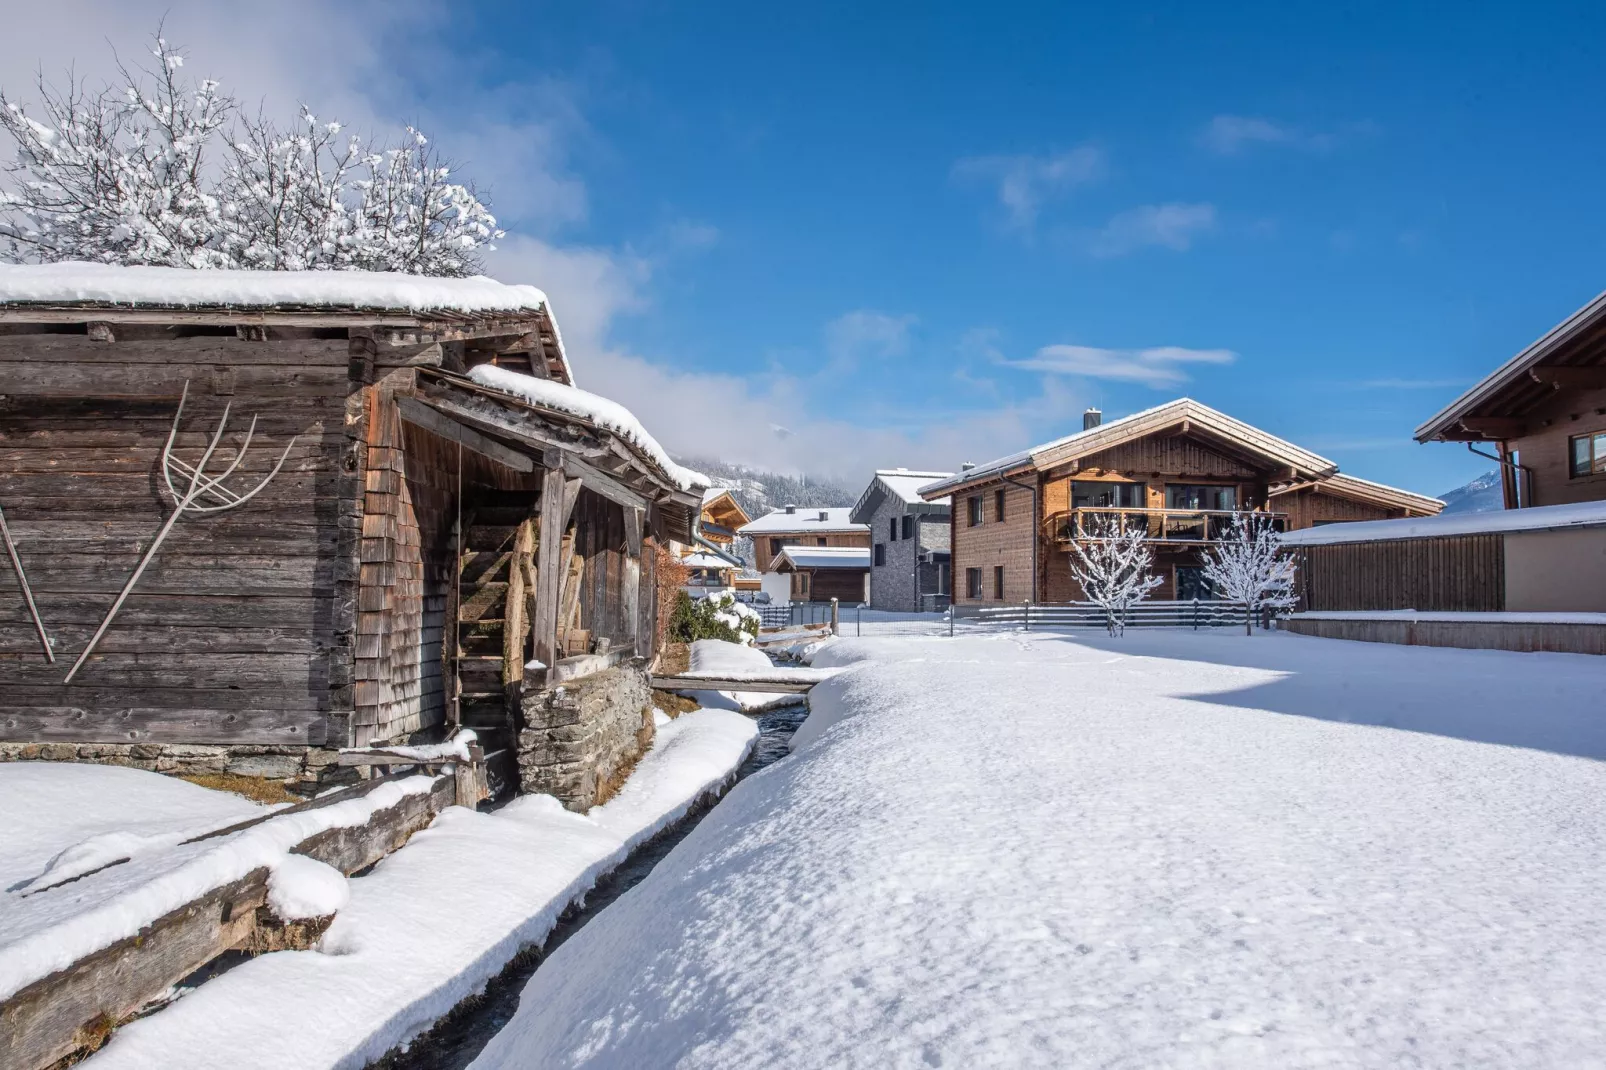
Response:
column 836, row 619
column 516, row 623
column 632, row 575
column 557, row 503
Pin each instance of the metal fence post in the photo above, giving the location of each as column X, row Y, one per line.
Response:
column 953, row 609
column 1026, row 615
column 835, row 630
column 1195, row 612
column 858, row 620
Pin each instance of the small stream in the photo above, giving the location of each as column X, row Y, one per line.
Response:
column 458, row 1038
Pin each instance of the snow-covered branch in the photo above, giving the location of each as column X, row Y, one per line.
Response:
column 1115, row 567
column 135, row 174
column 1247, row 565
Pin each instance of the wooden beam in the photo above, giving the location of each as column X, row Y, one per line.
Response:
column 633, row 524
column 714, row 683
column 557, row 504
column 515, row 625
column 599, row 482
column 421, row 415
column 1590, row 378
column 487, row 415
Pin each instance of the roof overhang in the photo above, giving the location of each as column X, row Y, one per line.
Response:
column 1367, row 492
column 1571, row 355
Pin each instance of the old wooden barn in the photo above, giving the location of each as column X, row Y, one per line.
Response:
column 265, row 516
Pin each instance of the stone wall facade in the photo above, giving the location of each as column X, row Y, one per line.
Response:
column 302, row 770
column 898, row 584
column 579, row 739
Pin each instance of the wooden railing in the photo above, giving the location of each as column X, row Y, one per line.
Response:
column 1195, row 614
column 1161, row 525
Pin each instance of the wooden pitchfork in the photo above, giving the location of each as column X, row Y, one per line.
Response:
column 27, row 592
column 187, row 500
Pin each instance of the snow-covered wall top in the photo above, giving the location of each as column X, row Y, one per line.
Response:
column 806, row 518
column 1540, row 518
column 609, row 415
column 828, row 556
column 79, row 283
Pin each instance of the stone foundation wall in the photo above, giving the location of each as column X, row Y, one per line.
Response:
column 579, row 738
column 303, row 770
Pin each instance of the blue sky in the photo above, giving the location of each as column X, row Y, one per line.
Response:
column 842, row 238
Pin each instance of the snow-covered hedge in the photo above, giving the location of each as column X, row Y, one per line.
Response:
column 719, row 616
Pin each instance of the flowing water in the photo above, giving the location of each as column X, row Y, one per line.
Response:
column 457, row 1039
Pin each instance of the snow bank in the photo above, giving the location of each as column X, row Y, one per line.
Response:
column 52, row 928
column 598, row 410
column 71, row 283
column 455, row 748
column 1167, row 850
column 730, row 661
column 433, row 922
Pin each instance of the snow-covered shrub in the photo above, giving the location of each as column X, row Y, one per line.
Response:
column 719, row 616
column 1247, row 565
column 1115, row 567
column 162, row 172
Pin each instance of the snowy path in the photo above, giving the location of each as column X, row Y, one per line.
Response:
column 1165, row 850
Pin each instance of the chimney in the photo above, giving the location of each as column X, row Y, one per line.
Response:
column 967, row 466
column 824, row 516
column 791, row 509
column 1091, row 419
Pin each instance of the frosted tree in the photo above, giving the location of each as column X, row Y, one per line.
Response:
column 1248, row 566
column 166, row 172
column 1115, row 567
column 119, row 176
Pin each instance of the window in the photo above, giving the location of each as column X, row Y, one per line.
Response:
column 1588, row 453
column 973, row 510
column 892, row 529
column 998, row 582
column 880, row 553
column 1200, row 496
column 1086, row 494
column 973, row 579
column 819, row 540
column 779, row 543
column 1191, row 584
column 998, row 504
column 800, row 585
column 942, row 578
column 908, row 527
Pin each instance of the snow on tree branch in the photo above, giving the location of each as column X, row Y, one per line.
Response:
column 162, row 172
column 1115, row 567
column 1248, row 566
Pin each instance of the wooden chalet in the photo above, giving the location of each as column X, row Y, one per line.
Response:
column 823, row 573
column 721, row 518
column 1182, row 470
column 1541, row 416
column 425, row 519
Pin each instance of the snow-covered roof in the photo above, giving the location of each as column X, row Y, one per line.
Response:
column 826, row 556
column 906, row 484
column 903, row 486
column 162, row 287
column 600, row 411
column 1539, row 518
column 1196, row 415
column 1366, row 490
column 806, row 518
column 705, row 560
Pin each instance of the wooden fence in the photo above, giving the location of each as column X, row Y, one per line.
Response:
column 1451, row 573
column 1197, row 613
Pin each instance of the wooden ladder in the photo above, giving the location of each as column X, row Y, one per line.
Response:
column 495, row 536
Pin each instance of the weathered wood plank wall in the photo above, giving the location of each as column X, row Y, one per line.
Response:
column 1461, row 573
column 235, row 633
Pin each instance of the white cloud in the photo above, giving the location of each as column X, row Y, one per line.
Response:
column 1025, row 182
column 866, row 333
column 1169, row 226
column 1227, row 135
column 1158, row 366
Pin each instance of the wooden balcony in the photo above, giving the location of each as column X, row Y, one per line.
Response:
column 1179, row 526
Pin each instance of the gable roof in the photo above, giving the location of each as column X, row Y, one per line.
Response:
column 719, row 500
column 1567, row 354
column 902, row 486
column 70, row 292
column 805, row 519
column 1183, row 413
column 823, row 557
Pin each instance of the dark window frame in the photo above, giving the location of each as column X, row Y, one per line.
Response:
column 999, row 498
column 880, row 553
column 998, row 583
column 892, row 529
column 1594, row 443
column 973, row 511
column 908, row 526
column 973, row 583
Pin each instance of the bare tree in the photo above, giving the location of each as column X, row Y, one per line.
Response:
column 128, row 176
column 1247, row 565
column 1115, row 567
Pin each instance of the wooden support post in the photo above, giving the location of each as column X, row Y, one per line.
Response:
column 515, row 623
column 836, row 619
column 557, row 503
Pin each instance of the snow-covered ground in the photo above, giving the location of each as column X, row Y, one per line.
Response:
column 433, row 922
column 1172, row 849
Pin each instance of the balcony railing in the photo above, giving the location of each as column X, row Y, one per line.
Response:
column 1161, row 525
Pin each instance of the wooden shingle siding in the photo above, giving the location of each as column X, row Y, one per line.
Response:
column 1459, row 573
column 991, row 543
column 231, row 635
